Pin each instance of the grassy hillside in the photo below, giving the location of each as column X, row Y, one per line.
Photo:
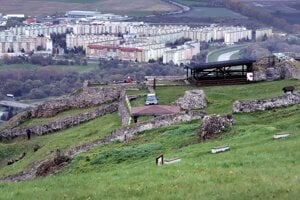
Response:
column 256, row 167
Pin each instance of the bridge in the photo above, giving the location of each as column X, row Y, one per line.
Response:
column 223, row 72
column 15, row 104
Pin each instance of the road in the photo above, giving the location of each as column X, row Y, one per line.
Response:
column 16, row 104
column 226, row 56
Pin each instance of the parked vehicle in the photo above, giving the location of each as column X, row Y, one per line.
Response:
column 151, row 99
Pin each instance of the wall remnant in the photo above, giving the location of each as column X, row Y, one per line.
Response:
column 59, row 124
column 192, row 99
column 287, row 99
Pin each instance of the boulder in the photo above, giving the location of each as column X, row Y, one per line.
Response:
column 213, row 125
column 192, row 99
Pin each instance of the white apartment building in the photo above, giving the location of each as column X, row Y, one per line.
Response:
column 35, row 30
column 17, row 44
column 84, row 40
column 142, row 53
column 236, row 36
column 182, row 54
column 260, row 33
column 212, row 33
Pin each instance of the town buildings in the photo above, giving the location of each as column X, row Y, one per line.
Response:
column 106, row 36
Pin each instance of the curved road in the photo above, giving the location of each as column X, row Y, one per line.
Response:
column 226, row 56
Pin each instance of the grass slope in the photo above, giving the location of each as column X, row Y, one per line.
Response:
column 256, row 167
column 64, row 140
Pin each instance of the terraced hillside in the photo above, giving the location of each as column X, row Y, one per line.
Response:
column 256, row 167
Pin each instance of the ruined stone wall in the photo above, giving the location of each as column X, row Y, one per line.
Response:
column 268, row 69
column 167, row 120
column 266, row 104
column 60, row 124
column 82, row 98
column 122, row 110
column 192, row 99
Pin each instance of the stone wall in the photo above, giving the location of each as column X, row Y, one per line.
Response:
column 122, row 110
column 192, row 99
column 167, row 120
column 82, row 98
column 266, row 104
column 59, row 124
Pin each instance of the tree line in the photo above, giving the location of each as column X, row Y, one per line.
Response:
column 46, row 81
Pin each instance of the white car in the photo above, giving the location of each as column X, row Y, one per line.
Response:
column 151, row 99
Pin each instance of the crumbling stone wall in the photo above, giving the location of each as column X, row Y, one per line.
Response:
column 192, row 99
column 273, row 69
column 82, row 98
column 167, row 120
column 213, row 125
column 266, row 104
column 59, row 124
column 122, row 110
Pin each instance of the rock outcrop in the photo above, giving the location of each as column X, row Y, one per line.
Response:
column 192, row 99
column 213, row 125
column 266, row 104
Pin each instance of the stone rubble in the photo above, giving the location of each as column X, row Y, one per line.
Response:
column 213, row 125
column 192, row 99
column 268, row 69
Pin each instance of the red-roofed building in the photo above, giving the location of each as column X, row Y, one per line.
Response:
column 153, row 110
column 115, row 52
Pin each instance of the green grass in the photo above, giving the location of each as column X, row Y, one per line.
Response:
column 64, row 140
column 135, row 92
column 296, row 64
column 192, row 2
column 256, row 167
column 210, row 12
